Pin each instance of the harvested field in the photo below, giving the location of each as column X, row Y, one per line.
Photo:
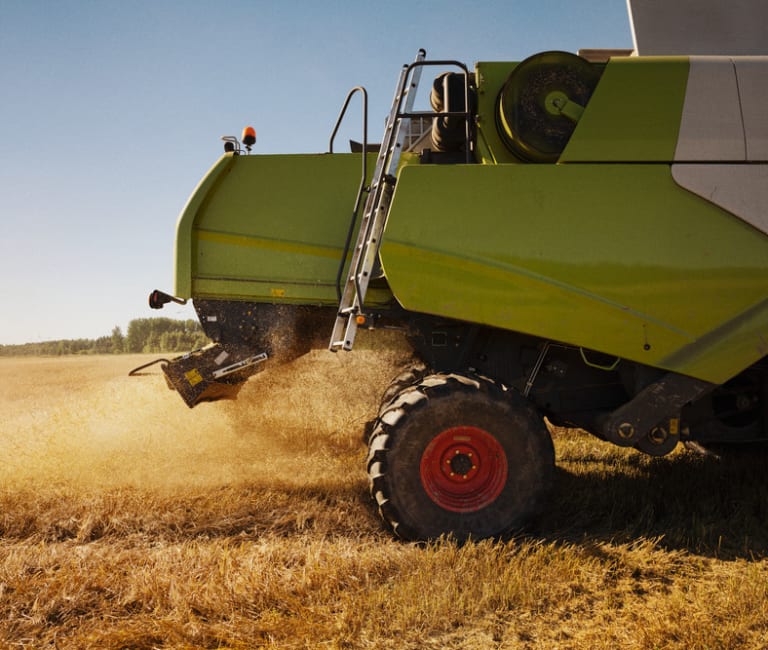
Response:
column 128, row 520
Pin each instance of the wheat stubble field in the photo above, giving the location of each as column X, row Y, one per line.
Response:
column 130, row 521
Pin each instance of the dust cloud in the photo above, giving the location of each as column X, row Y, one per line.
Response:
column 84, row 421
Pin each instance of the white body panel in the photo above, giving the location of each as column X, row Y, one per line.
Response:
column 752, row 73
column 724, row 116
column 711, row 127
column 703, row 27
column 740, row 189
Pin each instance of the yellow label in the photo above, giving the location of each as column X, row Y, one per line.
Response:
column 277, row 293
column 193, row 377
column 674, row 426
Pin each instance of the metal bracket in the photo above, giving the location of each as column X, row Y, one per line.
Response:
column 239, row 365
column 658, row 401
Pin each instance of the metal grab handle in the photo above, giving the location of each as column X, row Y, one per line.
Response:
column 363, row 177
column 364, row 92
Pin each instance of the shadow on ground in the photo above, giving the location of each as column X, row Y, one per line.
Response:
column 706, row 505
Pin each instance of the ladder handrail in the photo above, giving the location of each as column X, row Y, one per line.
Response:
column 466, row 113
column 364, row 176
column 343, row 111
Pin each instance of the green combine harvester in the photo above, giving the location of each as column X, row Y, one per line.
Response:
column 577, row 237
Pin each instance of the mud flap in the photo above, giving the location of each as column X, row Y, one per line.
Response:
column 211, row 373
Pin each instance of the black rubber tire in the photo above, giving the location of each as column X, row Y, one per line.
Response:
column 448, row 133
column 427, row 411
column 405, row 379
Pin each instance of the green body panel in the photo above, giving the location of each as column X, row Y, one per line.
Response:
column 634, row 114
column 615, row 258
column 268, row 229
column 490, row 77
column 606, row 252
column 182, row 263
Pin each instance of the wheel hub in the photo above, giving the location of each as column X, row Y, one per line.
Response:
column 463, row 469
column 461, row 464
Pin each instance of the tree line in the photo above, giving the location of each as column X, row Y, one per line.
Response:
column 143, row 335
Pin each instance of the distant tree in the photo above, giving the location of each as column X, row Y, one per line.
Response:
column 118, row 340
column 144, row 335
column 137, row 335
column 163, row 335
column 102, row 345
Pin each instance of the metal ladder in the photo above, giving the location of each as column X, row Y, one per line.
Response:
column 366, row 251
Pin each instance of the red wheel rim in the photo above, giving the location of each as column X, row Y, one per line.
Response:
column 463, row 469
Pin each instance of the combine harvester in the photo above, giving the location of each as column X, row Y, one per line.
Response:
column 577, row 237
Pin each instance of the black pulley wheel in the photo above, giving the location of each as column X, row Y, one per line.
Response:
column 540, row 103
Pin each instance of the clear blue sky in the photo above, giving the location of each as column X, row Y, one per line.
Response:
column 111, row 111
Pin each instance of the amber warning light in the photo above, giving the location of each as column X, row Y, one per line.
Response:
column 249, row 137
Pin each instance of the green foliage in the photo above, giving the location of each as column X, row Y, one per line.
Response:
column 144, row 335
column 163, row 335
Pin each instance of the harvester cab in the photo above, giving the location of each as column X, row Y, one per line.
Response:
column 581, row 237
